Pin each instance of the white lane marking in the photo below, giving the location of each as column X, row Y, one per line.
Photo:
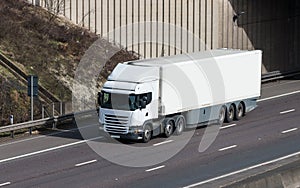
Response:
column 43, row 136
column 161, row 143
column 4, row 184
column 227, row 148
column 228, row 126
column 287, row 111
column 156, row 168
column 85, row 163
column 47, row 150
column 290, row 130
column 278, row 96
column 243, row 170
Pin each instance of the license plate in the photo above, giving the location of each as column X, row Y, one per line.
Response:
column 115, row 136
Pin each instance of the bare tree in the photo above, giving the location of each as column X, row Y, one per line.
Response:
column 55, row 6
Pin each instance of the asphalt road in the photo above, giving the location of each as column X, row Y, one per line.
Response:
column 64, row 159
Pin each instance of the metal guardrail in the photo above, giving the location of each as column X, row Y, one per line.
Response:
column 25, row 125
column 276, row 75
column 51, row 120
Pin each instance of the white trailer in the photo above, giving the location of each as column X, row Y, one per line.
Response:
column 146, row 98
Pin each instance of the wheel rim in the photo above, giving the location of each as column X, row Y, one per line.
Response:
column 169, row 128
column 240, row 113
column 147, row 133
column 180, row 125
column 231, row 113
column 222, row 115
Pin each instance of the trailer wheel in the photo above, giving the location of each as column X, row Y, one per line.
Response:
column 180, row 125
column 239, row 113
column 222, row 114
column 169, row 128
column 230, row 113
column 147, row 134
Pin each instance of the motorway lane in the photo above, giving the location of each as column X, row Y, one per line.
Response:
column 256, row 145
column 191, row 166
column 196, row 170
column 43, row 142
column 261, row 128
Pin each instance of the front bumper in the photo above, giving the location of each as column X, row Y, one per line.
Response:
column 134, row 133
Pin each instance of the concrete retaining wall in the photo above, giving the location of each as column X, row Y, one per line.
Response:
column 270, row 25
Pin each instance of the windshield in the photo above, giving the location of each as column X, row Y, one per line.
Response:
column 126, row 102
column 119, row 101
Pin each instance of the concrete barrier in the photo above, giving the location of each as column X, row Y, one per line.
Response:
column 286, row 176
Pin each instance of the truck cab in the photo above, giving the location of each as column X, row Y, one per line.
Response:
column 128, row 99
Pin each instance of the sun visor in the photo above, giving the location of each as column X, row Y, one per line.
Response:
column 134, row 73
column 120, row 86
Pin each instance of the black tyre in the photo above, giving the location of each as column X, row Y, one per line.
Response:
column 222, row 115
column 169, row 128
column 239, row 113
column 147, row 134
column 230, row 113
column 180, row 125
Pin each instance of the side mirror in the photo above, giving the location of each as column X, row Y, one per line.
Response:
column 99, row 98
column 142, row 104
column 145, row 98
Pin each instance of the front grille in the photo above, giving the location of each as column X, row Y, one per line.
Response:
column 116, row 124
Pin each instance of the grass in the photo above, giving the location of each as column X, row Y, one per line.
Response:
column 48, row 46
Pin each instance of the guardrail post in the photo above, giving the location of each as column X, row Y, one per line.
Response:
column 30, row 130
column 60, row 108
column 54, row 123
column 31, row 102
column 53, row 109
column 11, row 119
column 12, row 134
column 43, row 112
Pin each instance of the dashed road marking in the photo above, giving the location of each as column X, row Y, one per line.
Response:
column 287, row 111
column 4, row 184
column 156, row 168
column 228, row 126
column 290, row 130
column 227, row 148
column 161, row 143
column 86, row 163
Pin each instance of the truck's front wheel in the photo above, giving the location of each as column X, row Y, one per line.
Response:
column 147, row 134
column 169, row 128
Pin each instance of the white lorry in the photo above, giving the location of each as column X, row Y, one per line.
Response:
column 146, row 98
